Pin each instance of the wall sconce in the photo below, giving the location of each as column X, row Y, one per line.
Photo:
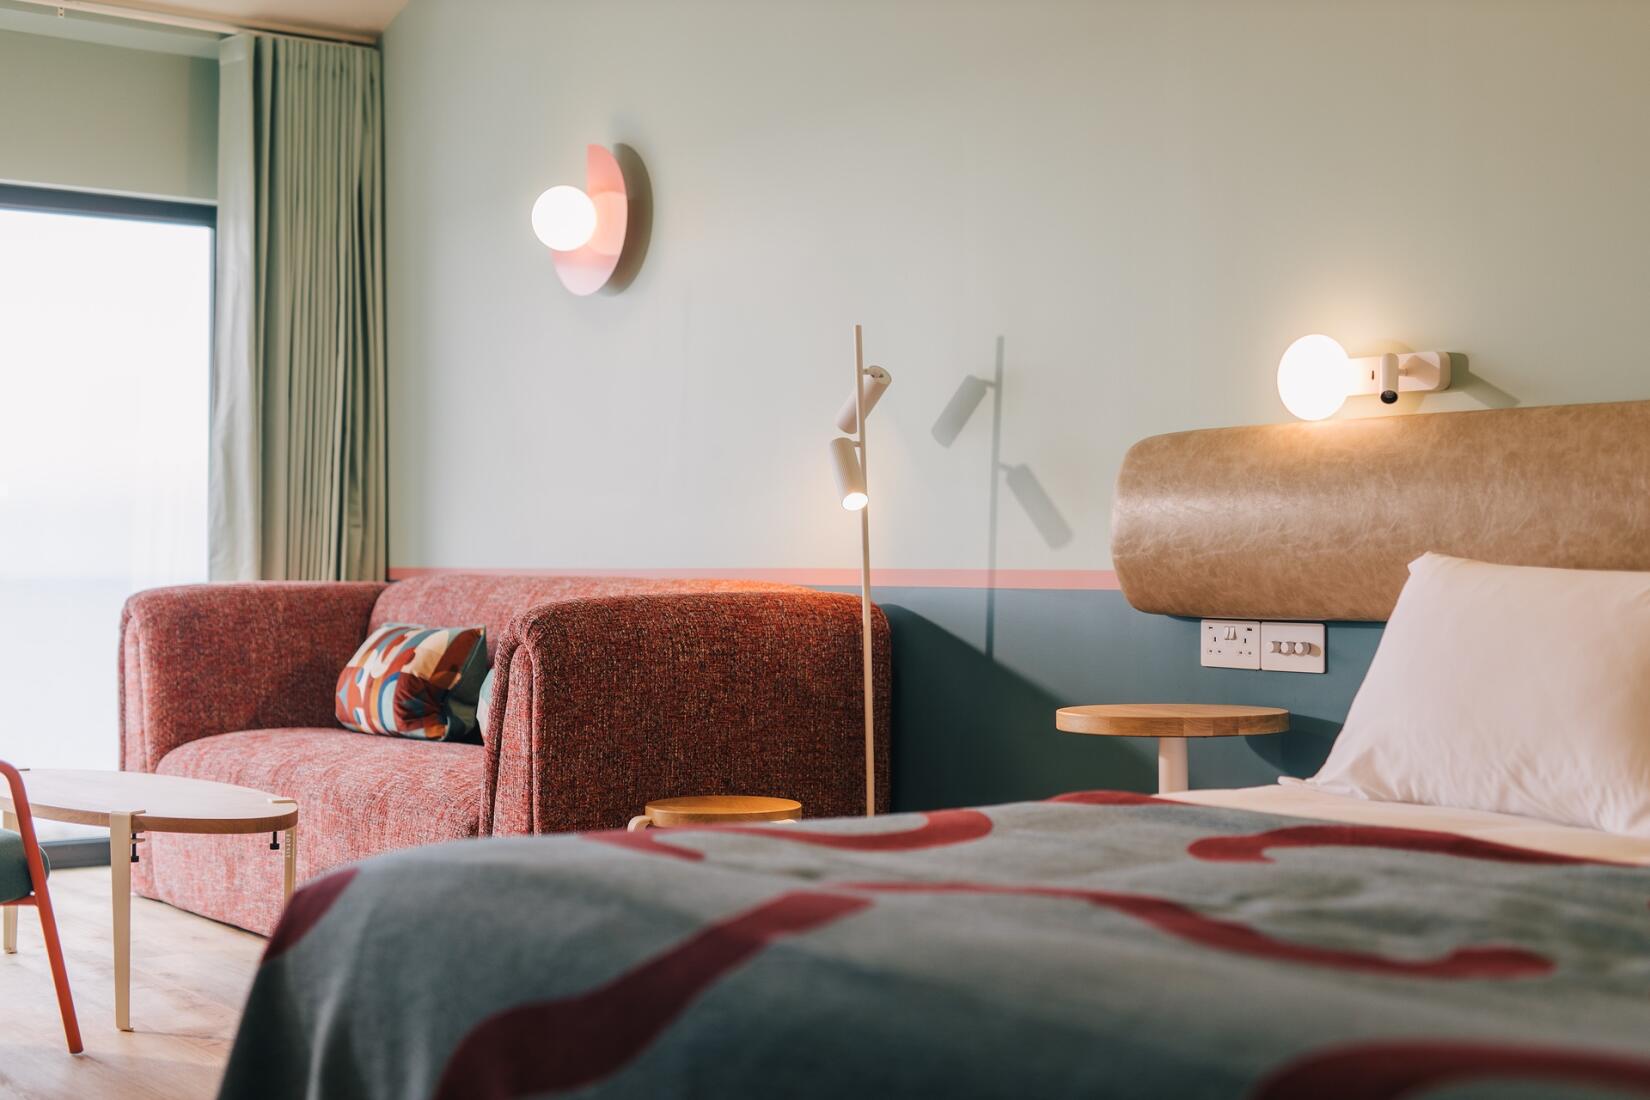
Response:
column 848, row 461
column 586, row 230
column 1316, row 376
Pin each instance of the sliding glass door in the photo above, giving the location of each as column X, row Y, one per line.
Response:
column 105, row 345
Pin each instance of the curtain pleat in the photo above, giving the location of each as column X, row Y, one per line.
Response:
column 315, row 358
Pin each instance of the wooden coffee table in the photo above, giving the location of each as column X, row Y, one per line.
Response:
column 130, row 804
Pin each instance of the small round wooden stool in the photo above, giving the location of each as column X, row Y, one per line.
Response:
column 715, row 809
column 1171, row 724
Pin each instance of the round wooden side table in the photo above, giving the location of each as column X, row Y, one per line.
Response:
column 715, row 809
column 1171, row 724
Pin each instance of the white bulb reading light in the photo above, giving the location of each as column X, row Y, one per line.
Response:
column 850, row 475
column 564, row 218
column 1314, row 377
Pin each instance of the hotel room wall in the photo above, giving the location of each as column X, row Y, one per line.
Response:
column 106, row 118
column 1146, row 202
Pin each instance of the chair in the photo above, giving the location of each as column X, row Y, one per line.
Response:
column 23, row 882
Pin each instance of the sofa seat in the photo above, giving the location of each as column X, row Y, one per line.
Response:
column 358, row 794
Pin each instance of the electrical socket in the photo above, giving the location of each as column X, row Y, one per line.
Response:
column 1229, row 643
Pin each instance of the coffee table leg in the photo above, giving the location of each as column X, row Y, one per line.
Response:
column 10, row 919
column 1171, row 765
column 120, row 887
column 290, row 875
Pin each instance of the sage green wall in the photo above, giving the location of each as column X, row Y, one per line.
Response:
column 107, row 118
column 1148, row 199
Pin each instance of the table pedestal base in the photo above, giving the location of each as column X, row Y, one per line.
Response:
column 1171, row 765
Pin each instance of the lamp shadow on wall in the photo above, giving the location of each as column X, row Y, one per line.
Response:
column 1475, row 386
column 639, row 218
column 972, row 731
column 1021, row 480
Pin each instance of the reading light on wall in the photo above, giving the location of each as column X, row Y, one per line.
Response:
column 585, row 231
column 1316, row 376
column 848, row 461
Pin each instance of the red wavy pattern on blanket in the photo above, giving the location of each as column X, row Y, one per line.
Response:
column 1253, row 847
column 1184, row 923
column 595, row 1033
column 1387, row 1071
column 308, row 905
column 941, row 828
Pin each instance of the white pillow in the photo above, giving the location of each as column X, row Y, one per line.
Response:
column 1510, row 688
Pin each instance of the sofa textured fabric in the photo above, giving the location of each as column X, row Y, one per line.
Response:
column 607, row 692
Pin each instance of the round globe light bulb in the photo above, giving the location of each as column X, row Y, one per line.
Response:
column 564, row 218
column 1314, row 376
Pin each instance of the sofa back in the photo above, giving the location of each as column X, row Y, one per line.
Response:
column 494, row 599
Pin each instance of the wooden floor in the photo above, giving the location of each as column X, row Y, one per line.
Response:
column 189, row 980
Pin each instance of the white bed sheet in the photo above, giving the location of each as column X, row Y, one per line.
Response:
column 1522, row 832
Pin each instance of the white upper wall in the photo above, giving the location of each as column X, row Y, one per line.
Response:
column 1147, row 201
column 107, row 118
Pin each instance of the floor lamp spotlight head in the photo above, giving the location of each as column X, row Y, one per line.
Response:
column 876, row 383
column 850, row 476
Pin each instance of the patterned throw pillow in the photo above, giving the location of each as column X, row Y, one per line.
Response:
column 415, row 681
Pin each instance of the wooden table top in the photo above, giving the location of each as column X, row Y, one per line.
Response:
column 1171, row 720
column 159, row 803
column 721, row 809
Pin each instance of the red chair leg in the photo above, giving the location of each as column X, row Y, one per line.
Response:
column 60, row 973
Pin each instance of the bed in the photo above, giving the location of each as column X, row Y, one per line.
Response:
column 1271, row 943
column 1098, row 944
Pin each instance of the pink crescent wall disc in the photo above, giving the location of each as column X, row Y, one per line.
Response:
column 587, row 269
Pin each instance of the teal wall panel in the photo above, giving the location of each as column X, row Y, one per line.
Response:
column 978, row 676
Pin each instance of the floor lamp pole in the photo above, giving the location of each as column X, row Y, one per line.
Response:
column 865, row 578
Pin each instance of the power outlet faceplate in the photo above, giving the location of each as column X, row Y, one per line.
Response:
column 1229, row 643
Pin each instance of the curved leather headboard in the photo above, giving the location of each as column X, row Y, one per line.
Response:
column 1318, row 521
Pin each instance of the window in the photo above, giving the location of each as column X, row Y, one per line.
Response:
column 105, row 351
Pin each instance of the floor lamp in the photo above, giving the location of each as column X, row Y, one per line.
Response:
column 849, row 460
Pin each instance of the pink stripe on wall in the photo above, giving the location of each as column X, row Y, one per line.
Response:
column 1063, row 579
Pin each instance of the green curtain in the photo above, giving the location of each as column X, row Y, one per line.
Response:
column 299, row 447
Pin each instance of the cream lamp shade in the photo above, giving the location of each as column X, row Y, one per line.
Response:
column 564, row 218
column 850, row 476
column 1314, row 377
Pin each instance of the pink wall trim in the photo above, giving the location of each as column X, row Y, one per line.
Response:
column 1065, row 579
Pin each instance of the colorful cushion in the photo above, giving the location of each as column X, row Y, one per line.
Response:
column 415, row 681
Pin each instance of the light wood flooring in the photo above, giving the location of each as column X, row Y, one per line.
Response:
column 189, row 980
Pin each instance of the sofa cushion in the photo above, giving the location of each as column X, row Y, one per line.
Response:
column 357, row 796
column 414, row 681
column 494, row 600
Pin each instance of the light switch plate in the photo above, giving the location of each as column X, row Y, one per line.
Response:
column 1228, row 643
column 1292, row 647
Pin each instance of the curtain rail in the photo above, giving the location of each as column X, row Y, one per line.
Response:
column 175, row 17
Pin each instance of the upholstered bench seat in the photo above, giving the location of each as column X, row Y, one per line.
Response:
column 14, row 867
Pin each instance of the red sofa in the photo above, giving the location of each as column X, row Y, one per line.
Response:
column 606, row 693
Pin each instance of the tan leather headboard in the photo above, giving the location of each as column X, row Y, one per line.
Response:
column 1318, row 521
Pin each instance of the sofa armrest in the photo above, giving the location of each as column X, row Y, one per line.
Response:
column 212, row 658
column 611, row 701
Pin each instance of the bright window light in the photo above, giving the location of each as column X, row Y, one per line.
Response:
column 105, row 343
